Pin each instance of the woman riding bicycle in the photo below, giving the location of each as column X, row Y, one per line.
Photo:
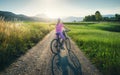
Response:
column 59, row 31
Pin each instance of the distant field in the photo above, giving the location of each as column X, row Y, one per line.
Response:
column 101, row 44
column 17, row 37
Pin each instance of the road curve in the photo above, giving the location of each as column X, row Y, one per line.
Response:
column 40, row 61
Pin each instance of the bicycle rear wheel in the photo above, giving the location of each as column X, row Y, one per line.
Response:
column 54, row 46
column 68, row 44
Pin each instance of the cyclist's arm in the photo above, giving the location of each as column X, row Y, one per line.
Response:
column 65, row 27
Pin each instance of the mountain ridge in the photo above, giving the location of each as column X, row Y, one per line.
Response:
column 10, row 16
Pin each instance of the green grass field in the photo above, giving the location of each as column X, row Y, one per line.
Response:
column 17, row 37
column 100, row 42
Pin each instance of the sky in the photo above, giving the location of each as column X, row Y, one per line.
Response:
column 60, row 8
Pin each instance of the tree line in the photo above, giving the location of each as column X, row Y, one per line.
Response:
column 99, row 17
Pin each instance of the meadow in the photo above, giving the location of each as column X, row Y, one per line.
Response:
column 17, row 37
column 100, row 42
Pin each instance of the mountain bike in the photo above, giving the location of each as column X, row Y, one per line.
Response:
column 56, row 43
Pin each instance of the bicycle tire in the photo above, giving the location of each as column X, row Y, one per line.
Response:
column 68, row 44
column 54, row 49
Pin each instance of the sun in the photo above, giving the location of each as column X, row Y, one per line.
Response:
column 52, row 15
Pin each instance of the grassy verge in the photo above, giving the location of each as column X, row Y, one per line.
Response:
column 16, row 38
column 101, row 44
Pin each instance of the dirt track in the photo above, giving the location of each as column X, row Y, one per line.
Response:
column 40, row 61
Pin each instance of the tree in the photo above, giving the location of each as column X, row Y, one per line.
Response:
column 74, row 21
column 98, row 16
column 106, row 19
column 117, row 17
column 89, row 18
column 93, row 18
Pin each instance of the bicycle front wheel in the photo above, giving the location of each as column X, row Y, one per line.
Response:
column 54, row 46
column 68, row 44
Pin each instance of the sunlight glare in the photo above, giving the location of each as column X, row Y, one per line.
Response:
column 52, row 15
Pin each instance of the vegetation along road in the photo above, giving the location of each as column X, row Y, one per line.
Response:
column 95, row 44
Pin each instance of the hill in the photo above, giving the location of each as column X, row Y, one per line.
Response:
column 10, row 16
column 72, row 19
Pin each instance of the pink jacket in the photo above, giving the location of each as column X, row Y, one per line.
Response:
column 59, row 27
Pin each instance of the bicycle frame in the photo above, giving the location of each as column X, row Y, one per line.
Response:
column 57, row 43
column 58, row 36
column 64, row 33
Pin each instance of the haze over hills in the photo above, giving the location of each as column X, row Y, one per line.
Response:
column 65, row 19
column 10, row 16
column 41, row 15
column 72, row 19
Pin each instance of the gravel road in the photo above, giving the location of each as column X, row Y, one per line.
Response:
column 39, row 60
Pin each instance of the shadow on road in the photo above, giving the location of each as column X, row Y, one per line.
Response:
column 67, row 65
